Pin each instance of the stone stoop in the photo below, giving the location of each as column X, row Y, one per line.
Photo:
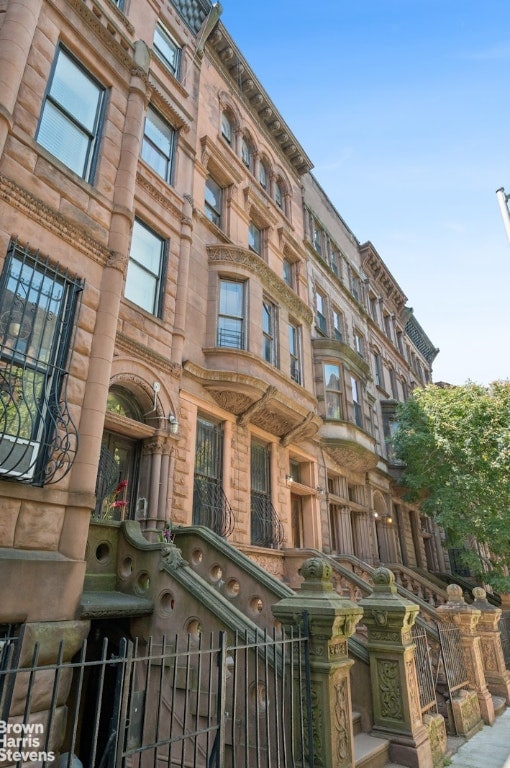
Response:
column 499, row 705
column 370, row 752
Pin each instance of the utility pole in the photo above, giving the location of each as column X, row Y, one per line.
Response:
column 503, row 207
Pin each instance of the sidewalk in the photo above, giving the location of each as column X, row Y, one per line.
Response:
column 489, row 748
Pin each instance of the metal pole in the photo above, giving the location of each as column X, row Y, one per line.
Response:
column 503, row 207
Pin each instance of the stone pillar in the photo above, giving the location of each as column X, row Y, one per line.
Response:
column 332, row 620
column 496, row 674
column 16, row 35
column 397, row 714
column 466, row 618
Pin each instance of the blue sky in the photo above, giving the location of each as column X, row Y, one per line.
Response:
column 403, row 107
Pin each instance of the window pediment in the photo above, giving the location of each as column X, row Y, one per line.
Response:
column 216, row 160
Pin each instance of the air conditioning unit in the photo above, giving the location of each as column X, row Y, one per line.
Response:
column 18, row 457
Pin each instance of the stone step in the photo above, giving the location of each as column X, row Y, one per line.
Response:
column 356, row 723
column 370, row 752
column 499, row 705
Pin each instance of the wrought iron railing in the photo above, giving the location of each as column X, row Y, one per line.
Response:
column 424, row 671
column 452, row 657
column 211, row 507
column 266, row 528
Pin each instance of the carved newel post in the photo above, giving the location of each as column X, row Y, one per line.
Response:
column 496, row 674
column 331, row 621
column 397, row 714
column 466, row 618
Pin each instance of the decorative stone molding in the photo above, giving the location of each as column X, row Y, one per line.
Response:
column 232, row 254
column 154, row 192
column 36, row 210
column 142, row 352
column 169, row 110
column 112, row 38
column 348, row 453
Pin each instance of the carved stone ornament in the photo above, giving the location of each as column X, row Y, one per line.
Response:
column 342, row 723
column 389, row 690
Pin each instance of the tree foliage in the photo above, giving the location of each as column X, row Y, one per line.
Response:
column 455, row 446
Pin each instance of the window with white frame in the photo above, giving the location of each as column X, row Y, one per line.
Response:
column 213, row 202
column 158, row 144
column 337, row 324
column 320, row 312
column 295, row 353
column 263, row 175
column 38, row 304
column 359, row 342
column 144, row 280
column 333, row 391
column 255, row 239
column 378, row 370
column 70, row 121
column 231, row 314
column 269, row 336
column 288, row 272
column 247, row 153
column 356, row 402
column 167, row 50
column 227, row 128
column 278, row 194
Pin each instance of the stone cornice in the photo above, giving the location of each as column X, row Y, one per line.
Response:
column 176, row 117
column 163, row 200
column 53, row 221
column 375, row 268
column 140, row 351
column 232, row 254
column 112, row 38
column 252, row 93
column 338, row 349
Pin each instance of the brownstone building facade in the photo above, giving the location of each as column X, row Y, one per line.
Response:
column 189, row 331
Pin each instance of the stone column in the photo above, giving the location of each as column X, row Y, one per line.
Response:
column 466, row 618
column 332, row 620
column 496, row 674
column 16, row 35
column 397, row 714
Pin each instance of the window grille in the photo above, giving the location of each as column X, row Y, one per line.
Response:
column 38, row 304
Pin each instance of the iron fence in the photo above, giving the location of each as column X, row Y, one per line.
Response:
column 504, row 627
column 236, row 701
column 424, row 671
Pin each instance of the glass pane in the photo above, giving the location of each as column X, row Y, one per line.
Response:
column 231, row 299
column 331, row 376
column 63, row 139
column 166, row 48
column 333, row 410
column 159, row 132
column 267, row 318
column 230, row 332
column 75, row 91
column 146, row 248
column 141, row 287
column 153, row 157
column 213, row 195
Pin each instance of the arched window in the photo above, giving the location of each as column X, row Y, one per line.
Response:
column 227, row 128
column 247, row 153
column 263, row 175
column 278, row 195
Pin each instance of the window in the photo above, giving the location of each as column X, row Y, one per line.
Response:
column 378, row 371
column 38, row 301
column 145, row 269
column 295, row 353
column 231, row 314
column 388, row 327
column 393, row 383
column 355, row 286
column 320, row 312
column 269, row 349
column 227, row 131
column 374, row 301
column 246, row 153
column 359, row 343
column 120, row 4
column 266, row 528
column 337, row 325
column 213, row 201
column 333, row 391
column 210, row 505
column 356, row 401
column 71, row 116
column 263, row 175
column 158, row 144
column 288, row 272
column 278, row 195
column 400, row 344
column 335, row 261
column 255, row 239
column 167, row 49
column 317, row 236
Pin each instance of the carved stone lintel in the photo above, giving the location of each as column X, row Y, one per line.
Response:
column 244, row 418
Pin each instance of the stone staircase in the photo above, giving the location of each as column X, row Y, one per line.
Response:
column 369, row 751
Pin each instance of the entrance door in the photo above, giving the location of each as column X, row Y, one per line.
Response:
column 117, row 483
